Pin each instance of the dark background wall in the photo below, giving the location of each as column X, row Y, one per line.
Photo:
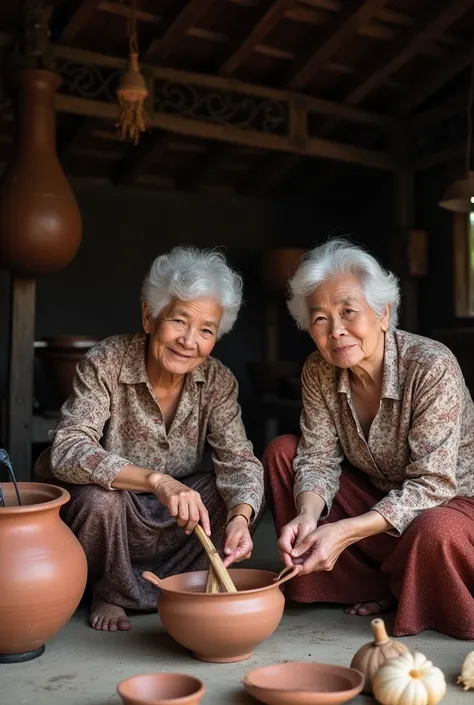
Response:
column 124, row 229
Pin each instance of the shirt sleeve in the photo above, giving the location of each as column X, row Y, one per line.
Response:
column 317, row 465
column 239, row 474
column 76, row 454
column 433, row 440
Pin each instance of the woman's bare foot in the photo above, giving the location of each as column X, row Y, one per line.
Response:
column 364, row 609
column 108, row 618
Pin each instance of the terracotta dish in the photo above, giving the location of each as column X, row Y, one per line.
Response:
column 221, row 627
column 304, row 684
column 161, row 689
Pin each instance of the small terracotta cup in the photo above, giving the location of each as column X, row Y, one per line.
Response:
column 161, row 689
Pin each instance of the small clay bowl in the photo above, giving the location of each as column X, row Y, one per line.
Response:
column 304, row 684
column 161, row 689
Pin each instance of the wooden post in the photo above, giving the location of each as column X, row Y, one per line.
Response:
column 404, row 215
column 20, row 390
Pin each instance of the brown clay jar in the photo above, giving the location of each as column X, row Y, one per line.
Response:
column 43, row 570
column 40, row 222
column 221, row 627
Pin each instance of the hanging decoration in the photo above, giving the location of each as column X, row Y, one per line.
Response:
column 132, row 90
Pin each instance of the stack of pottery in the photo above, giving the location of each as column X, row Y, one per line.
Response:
column 43, row 568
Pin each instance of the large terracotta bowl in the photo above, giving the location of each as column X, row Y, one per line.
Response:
column 221, row 627
column 304, row 684
column 161, row 689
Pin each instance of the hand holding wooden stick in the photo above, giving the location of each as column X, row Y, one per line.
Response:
column 215, row 561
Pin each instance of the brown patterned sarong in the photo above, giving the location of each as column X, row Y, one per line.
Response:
column 124, row 533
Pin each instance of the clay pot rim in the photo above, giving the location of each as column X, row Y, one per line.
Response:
column 333, row 667
column 61, row 497
column 222, row 595
column 198, row 693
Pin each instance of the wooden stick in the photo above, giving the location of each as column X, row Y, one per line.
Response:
column 215, row 560
column 212, row 584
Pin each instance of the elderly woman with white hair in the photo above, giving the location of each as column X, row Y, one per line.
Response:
column 383, row 474
column 132, row 441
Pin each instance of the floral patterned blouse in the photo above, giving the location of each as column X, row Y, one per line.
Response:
column 113, row 419
column 420, row 448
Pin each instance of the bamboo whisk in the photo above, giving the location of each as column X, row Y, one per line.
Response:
column 218, row 573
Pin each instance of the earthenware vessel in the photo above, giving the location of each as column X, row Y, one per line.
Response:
column 221, row 627
column 40, row 222
column 304, row 684
column 43, row 570
column 161, row 689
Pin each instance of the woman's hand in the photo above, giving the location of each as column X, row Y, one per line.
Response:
column 182, row 502
column 238, row 542
column 294, row 535
column 321, row 548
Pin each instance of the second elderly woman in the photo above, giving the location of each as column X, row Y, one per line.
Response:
column 383, row 474
column 131, row 444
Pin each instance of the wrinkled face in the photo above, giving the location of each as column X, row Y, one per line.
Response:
column 183, row 335
column 343, row 326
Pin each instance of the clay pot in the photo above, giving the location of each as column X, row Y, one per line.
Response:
column 304, row 684
column 278, row 266
column 43, row 570
column 161, row 689
column 59, row 357
column 222, row 627
column 40, row 222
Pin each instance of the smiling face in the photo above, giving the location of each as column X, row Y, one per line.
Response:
column 182, row 336
column 345, row 329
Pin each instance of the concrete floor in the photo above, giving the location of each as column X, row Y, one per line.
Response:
column 82, row 667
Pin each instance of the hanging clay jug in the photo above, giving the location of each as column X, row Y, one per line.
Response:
column 43, row 569
column 40, row 222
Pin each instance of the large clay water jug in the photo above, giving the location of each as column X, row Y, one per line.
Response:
column 40, row 222
column 43, row 568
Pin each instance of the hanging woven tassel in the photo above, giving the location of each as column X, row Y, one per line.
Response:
column 132, row 90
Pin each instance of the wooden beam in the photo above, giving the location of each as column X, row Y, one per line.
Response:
column 20, row 378
column 266, row 179
column 406, row 47
column 215, row 159
column 118, row 8
column 271, row 12
column 161, row 48
column 450, row 107
column 443, row 156
column 419, row 91
column 140, row 158
column 221, row 83
column 315, row 147
column 354, row 15
column 84, row 10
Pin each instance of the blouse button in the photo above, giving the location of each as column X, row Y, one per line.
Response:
column 164, row 445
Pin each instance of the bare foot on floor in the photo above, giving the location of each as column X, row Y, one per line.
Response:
column 108, row 618
column 364, row 609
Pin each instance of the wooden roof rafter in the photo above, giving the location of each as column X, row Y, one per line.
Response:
column 271, row 12
column 78, row 20
column 161, row 48
column 355, row 15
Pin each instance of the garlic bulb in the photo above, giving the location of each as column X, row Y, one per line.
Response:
column 467, row 672
column 409, row 679
column 371, row 656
